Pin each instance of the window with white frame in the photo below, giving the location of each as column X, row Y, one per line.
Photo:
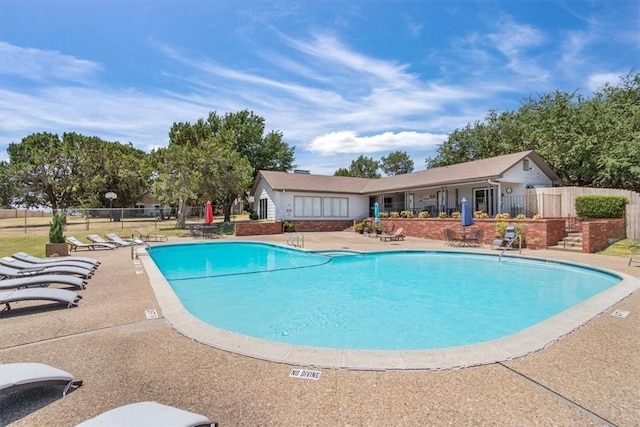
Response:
column 263, row 213
column 307, row 206
column 337, row 207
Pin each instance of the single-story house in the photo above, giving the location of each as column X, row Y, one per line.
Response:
column 493, row 185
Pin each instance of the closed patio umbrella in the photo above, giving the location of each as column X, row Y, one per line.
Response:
column 467, row 216
column 208, row 213
column 376, row 212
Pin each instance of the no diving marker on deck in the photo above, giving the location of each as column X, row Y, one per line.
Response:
column 151, row 314
column 305, row 374
column 620, row 313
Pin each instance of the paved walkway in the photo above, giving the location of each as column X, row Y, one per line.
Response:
column 590, row 377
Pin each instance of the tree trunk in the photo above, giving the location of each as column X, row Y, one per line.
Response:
column 182, row 214
column 226, row 209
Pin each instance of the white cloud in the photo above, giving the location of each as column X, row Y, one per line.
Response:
column 44, row 65
column 350, row 142
column 598, row 80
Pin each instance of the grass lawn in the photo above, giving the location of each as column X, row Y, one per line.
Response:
column 15, row 237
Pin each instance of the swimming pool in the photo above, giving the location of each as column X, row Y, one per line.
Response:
column 399, row 302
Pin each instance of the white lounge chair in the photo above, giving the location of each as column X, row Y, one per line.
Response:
column 75, row 244
column 27, row 268
column 48, row 294
column 23, row 256
column 150, row 414
column 20, row 376
column 395, row 236
column 56, row 262
column 100, row 241
column 123, row 242
column 11, row 273
column 42, row 280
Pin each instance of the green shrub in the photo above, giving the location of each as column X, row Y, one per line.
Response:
column 456, row 215
column 56, row 234
column 521, row 216
column 394, row 215
column 423, row 214
column 442, row 215
column 406, row 214
column 601, row 206
column 503, row 216
column 253, row 216
column 480, row 214
column 384, row 215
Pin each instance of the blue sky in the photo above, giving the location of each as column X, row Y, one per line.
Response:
column 337, row 78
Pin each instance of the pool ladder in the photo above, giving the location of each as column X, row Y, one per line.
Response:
column 510, row 245
column 296, row 240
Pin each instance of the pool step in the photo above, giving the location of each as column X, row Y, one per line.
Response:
column 572, row 242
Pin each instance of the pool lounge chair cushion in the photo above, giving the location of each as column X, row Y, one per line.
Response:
column 75, row 244
column 49, row 294
column 42, row 280
column 23, row 256
column 147, row 414
column 20, row 376
column 26, row 268
column 123, row 242
column 397, row 235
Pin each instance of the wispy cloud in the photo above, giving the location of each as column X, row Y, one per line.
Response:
column 45, row 66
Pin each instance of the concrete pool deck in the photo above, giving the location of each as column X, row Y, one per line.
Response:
column 589, row 377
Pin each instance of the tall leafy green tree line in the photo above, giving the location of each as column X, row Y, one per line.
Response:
column 587, row 141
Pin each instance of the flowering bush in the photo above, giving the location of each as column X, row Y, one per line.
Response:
column 537, row 216
column 521, row 216
column 406, row 214
column 384, row 215
column 503, row 216
column 456, row 215
column 442, row 215
column 394, row 215
column 480, row 214
column 423, row 214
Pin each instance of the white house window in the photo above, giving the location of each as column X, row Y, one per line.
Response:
column 336, row 207
column 304, row 206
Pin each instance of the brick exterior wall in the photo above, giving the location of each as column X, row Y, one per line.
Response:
column 537, row 233
column 597, row 234
column 255, row 228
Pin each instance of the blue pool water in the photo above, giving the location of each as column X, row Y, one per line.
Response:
column 405, row 300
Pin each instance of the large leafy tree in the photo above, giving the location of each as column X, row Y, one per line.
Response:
column 216, row 159
column 396, row 163
column 364, row 167
column 587, row 141
column 7, row 186
column 74, row 170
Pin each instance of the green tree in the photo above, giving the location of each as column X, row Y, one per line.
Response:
column 397, row 163
column 587, row 141
column 7, row 186
column 364, row 167
column 211, row 159
column 342, row 172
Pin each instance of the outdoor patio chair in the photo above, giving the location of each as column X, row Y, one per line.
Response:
column 49, row 294
column 148, row 414
column 42, row 280
column 21, row 376
column 28, row 268
column 451, row 238
column 23, row 256
column 475, row 237
column 13, row 272
column 397, row 235
column 148, row 237
column 510, row 236
column 95, row 238
column 75, row 244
